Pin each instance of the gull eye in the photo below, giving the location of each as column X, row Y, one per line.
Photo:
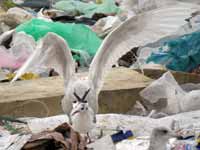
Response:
column 165, row 131
column 84, row 101
column 74, row 102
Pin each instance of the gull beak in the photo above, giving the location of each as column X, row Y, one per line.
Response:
column 174, row 134
column 75, row 112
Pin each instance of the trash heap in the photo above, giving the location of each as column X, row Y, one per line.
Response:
column 75, row 21
column 84, row 25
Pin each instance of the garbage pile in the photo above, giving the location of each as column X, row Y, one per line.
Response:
column 37, row 36
column 31, row 134
column 84, row 24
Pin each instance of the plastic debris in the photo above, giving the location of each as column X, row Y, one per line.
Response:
column 86, row 44
column 121, row 135
column 62, row 136
column 15, row 142
column 34, row 3
column 74, row 7
column 106, row 25
column 179, row 54
column 26, row 76
column 21, row 47
column 165, row 95
column 103, row 143
column 38, row 125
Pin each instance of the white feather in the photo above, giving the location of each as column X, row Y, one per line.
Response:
column 137, row 31
column 52, row 52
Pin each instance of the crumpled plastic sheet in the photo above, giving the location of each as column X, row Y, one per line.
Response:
column 74, row 7
column 180, row 54
column 167, row 91
column 13, row 142
column 22, row 46
column 8, row 60
column 79, row 37
column 105, row 25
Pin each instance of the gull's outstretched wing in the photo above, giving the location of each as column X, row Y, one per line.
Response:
column 138, row 31
column 51, row 52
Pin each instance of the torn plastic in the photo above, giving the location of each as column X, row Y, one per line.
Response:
column 15, row 142
column 166, row 90
column 74, row 7
column 38, row 125
column 8, row 60
column 104, row 143
column 20, row 49
column 180, row 54
column 106, row 25
column 143, row 55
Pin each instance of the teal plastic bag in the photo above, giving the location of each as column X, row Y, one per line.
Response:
column 182, row 54
column 88, row 9
column 78, row 36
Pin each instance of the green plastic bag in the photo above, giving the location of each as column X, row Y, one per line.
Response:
column 78, row 36
column 88, row 9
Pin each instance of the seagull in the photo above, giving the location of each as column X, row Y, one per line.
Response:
column 80, row 101
column 159, row 138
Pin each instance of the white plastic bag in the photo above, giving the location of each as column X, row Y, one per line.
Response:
column 165, row 88
column 177, row 100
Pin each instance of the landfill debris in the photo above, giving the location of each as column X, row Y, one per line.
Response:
column 20, row 13
column 26, row 76
column 82, row 110
column 86, row 44
column 62, row 137
column 179, row 54
column 73, row 19
column 6, row 4
column 35, row 4
column 121, row 135
column 15, row 142
column 38, row 125
column 10, row 21
column 141, row 126
column 19, row 50
column 150, row 23
column 73, row 7
column 103, row 143
column 165, row 95
column 105, row 25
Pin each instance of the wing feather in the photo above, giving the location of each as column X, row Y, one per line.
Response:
column 138, row 31
column 51, row 52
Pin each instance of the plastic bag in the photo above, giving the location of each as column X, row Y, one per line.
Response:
column 180, row 54
column 20, row 49
column 164, row 89
column 79, row 37
column 74, row 7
